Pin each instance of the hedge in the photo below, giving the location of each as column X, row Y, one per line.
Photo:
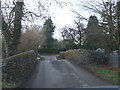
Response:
column 50, row 50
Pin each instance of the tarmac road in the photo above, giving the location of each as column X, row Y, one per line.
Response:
column 53, row 73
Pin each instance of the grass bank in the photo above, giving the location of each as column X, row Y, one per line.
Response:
column 109, row 73
column 10, row 84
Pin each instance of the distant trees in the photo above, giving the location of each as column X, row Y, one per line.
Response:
column 73, row 36
column 48, row 29
column 69, row 34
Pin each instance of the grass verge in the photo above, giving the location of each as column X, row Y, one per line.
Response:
column 9, row 84
column 105, row 73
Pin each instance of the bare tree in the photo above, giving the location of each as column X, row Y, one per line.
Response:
column 118, row 24
column 30, row 39
column 12, row 29
column 73, row 35
column 107, row 11
column 79, row 19
column 80, row 30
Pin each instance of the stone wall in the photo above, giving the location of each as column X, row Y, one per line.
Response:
column 18, row 67
column 81, row 56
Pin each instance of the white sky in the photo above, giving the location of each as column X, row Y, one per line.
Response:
column 62, row 16
column 65, row 17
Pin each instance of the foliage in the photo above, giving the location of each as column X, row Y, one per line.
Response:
column 108, row 12
column 94, row 35
column 73, row 36
column 48, row 29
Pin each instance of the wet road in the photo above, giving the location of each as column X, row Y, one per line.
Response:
column 53, row 73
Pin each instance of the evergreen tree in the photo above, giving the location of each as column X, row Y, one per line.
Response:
column 48, row 29
column 95, row 37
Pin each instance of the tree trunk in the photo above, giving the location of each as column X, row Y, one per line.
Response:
column 118, row 25
column 17, row 26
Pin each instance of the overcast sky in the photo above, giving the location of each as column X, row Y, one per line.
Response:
column 61, row 16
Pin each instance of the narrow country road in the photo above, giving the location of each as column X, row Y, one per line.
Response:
column 53, row 73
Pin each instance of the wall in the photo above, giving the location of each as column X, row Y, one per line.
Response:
column 18, row 67
column 114, row 59
column 81, row 56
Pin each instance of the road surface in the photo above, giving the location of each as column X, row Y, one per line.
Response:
column 53, row 73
